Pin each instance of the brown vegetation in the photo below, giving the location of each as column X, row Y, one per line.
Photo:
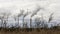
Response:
column 55, row 30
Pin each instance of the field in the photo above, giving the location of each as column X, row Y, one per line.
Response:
column 30, row 31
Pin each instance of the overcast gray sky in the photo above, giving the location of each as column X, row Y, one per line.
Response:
column 49, row 6
column 15, row 5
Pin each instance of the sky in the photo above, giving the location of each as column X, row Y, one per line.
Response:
column 49, row 6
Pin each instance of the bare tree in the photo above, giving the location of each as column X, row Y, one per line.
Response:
column 24, row 15
column 19, row 15
column 37, row 22
column 51, row 17
column 4, row 18
column 1, row 18
column 34, row 13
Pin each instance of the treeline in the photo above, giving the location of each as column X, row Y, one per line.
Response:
column 39, row 22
